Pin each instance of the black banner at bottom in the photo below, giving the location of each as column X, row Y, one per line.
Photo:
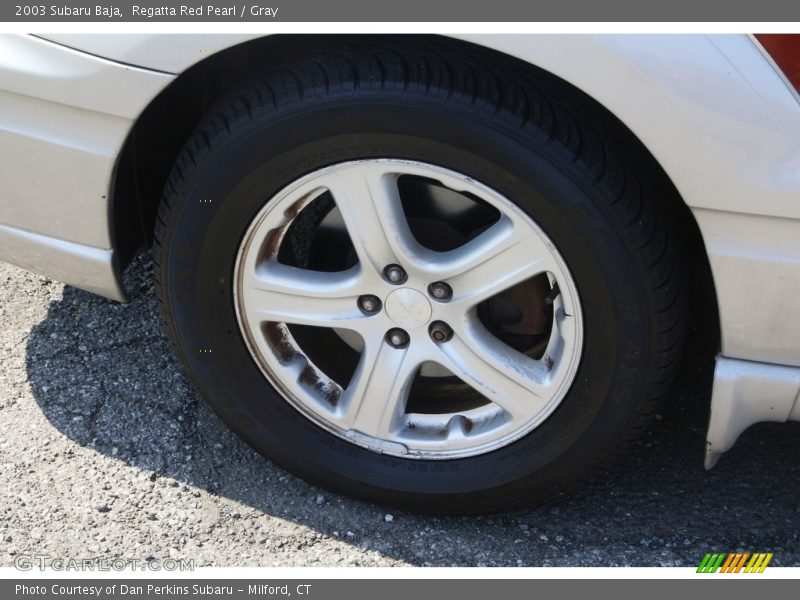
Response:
column 386, row 589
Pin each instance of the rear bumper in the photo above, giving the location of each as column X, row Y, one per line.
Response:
column 64, row 116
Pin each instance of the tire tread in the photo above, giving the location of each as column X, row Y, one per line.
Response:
column 533, row 104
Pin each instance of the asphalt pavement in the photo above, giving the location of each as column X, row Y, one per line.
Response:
column 106, row 450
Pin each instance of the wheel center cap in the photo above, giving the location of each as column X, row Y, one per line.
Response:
column 408, row 308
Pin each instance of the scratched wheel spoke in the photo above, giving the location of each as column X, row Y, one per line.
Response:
column 399, row 369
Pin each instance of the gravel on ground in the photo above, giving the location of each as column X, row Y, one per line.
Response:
column 106, row 450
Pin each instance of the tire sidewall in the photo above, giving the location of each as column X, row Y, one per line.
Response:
column 231, row 184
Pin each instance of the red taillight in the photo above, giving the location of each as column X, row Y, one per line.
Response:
column 784, row 48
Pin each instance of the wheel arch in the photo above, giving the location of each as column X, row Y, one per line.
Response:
column 161, row 130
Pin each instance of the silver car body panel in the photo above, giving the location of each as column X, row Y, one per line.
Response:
column 715, row 113
column 62, row 260
column 745, row 393
column 64, row 116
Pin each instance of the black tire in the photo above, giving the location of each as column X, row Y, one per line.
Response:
column 555, row 153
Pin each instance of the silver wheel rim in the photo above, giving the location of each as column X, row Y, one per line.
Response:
column 370, row 410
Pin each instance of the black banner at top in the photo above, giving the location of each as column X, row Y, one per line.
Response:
column 473, row 11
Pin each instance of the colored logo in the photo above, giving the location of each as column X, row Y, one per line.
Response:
column 734, row 562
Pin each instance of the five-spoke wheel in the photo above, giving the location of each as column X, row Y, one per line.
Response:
column 408, row 309
column 429, row 277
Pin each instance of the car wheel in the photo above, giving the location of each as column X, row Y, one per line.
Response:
column 428, row 282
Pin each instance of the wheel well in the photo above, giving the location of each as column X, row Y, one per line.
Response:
column 161, row 131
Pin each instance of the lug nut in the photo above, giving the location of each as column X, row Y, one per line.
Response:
column 397, row 337
column 440, row 332
column 395, row 274
column 369, row 304
column 440, row 290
